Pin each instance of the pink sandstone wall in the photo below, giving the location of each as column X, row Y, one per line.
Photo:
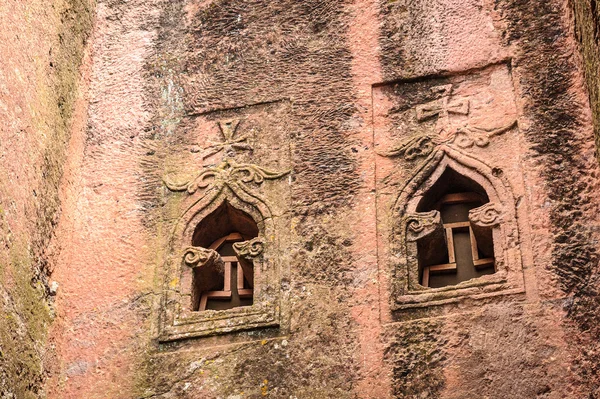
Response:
column 586, row 15
column 42, row 45
column 327, row 89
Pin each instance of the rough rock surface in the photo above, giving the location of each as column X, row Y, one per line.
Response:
column 336, row 142
column 42, row 45
column 586, row 15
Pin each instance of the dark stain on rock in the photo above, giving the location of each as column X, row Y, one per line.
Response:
column 417, row 355
column 545, row 68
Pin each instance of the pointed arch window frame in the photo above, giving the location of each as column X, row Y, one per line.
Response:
column 177, row 319
column 409, row 226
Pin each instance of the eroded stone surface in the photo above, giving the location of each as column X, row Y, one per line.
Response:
column 42, row 48
column 330, row 110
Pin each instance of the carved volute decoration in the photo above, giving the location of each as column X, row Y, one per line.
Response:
column 452, row 228
column 422, row 224
column 226, row 210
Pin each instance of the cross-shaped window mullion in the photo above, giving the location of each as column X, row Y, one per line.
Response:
column 242, row 292
column 451, row 265
column 226, row 292
column 478, row 263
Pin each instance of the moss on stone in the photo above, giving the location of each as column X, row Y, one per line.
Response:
column 23, row 331
column 25, row 309
column 587, row 30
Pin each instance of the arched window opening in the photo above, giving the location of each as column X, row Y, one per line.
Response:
column 460, row 250
column 229, row 282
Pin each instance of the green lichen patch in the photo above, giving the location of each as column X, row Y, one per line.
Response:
column 25, row 313
column 25, row 318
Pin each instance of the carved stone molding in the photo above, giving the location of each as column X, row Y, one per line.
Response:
column 488, row 215
column 422, row 224
column 196, row 257
column 228, row 173
column 249, row 249
column 463, row 137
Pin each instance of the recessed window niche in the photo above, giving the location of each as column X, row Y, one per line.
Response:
column 460, row 251
column 226, row 279
column 226, row 282
column 229, row 282
column 455, row 234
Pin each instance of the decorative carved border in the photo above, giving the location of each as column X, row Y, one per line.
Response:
column 407, row 293
column 177, row 320
column 237, row 184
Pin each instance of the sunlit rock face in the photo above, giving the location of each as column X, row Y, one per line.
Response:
column 298, row 199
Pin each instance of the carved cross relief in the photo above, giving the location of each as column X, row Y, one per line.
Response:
column 462, row 134
column 228, row 173
column 442, row 108
column 230, row 142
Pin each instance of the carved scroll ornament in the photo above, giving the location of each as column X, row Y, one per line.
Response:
column 249, row 249
column 196, row 257
column 419, row 225
column 488, row 215
column 463, row 137
column 419, row 146
column 228, row 173
column 467, row 136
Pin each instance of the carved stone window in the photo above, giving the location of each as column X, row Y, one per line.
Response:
column 456, row 234
column 463, row 251
column 230, row 285
column 225, row 281
column 448, row 174
column 222, row 271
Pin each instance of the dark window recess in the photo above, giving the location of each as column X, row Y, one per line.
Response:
column 458, row 252
column 234, row 287
column 232, row 284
